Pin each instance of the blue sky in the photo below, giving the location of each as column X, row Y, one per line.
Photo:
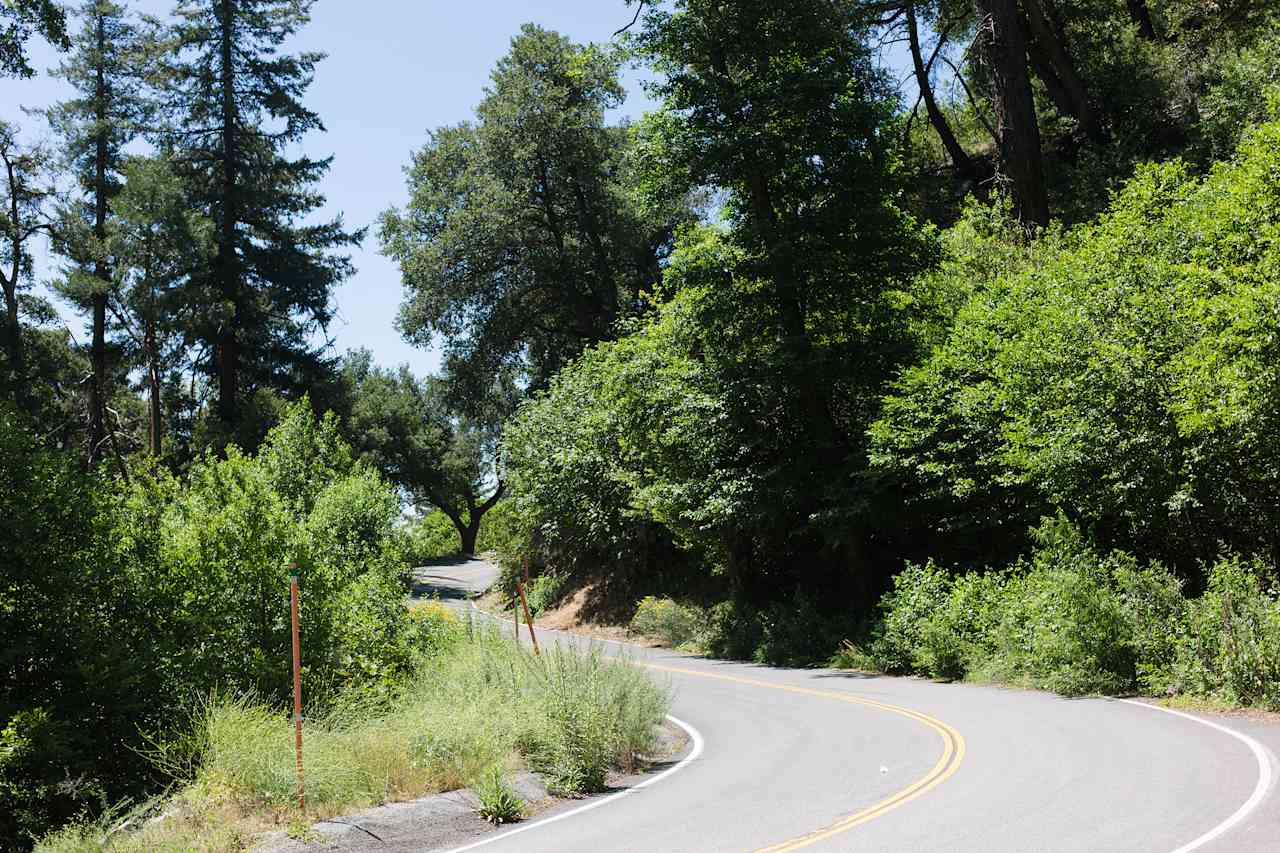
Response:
column 395, row 69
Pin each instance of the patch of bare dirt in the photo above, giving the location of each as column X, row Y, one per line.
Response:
column 570, row 616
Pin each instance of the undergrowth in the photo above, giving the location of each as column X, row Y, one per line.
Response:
column 477, row 705
column 1075, row 621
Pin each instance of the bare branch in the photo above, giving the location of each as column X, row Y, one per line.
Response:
column 973, row 102
column 639, row 9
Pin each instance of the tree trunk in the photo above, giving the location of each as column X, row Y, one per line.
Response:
column 228, row 344
column 469, row 533
column 1141, row 15
column 98, row 349
column 1019, row 134
column 13, row 339
column 959, row 157
column 1048, row 50
column 153, row 385
column 13, row 326
column 98, row 385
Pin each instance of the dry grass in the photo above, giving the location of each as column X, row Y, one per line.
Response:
column 479, row 707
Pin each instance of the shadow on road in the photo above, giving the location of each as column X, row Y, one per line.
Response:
column 451, row 579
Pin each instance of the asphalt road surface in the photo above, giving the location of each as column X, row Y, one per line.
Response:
column 827, row 760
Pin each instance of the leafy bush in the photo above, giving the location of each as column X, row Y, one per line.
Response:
column 1075, row 621
column 235, row 527
column 500, row 532
column 433, row 628
column 130, row 597
column 1125, row 372
column 669, row 621
column 785, row 633
column 1231, row 650
column 432, row 537
column 918, row 592
column 545, row 591
column 77, row 676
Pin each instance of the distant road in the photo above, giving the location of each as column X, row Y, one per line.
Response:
column 826, row 760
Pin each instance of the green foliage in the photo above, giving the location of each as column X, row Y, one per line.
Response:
column 130, row 598
column 673, row 623
column 432, row 536
column 918, row 592
column 1124, row 373
column 73, row 685
column 499, row 802
column 520, row 244
column 580, row 458
column 545, row 592
column 1075, row 621
column 500, row 532
column 1231, row 650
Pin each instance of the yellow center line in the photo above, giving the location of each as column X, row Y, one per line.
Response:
column 953, row 749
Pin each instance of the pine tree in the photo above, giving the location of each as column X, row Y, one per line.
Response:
column 95, row 126
column 157, row 244
column 19, row 20
column 234, row 103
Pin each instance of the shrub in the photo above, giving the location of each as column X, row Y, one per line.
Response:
column 432, row 537
column 1075, row 621
column 669, row 621
column 545, row 591
column 797, row 633
column 125, row 594
column 918, row 592
column 1232, row 647
column 734, row 631
column 1157, row 609
column 792, row 632
column 958, row 635
column 500, row 532
column 433, row 628
column 1064, row 630
column 1127, row 373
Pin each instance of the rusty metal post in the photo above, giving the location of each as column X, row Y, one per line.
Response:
column 528, row 620
column 297, row 681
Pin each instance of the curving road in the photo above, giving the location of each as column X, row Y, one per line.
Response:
column 827, row 760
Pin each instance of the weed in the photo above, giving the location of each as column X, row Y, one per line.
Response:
column 499, row 802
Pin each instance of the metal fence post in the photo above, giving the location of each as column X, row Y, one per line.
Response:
column 294, row 571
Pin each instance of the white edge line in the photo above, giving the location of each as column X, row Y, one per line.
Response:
column 595, row 804
column 1260, row 790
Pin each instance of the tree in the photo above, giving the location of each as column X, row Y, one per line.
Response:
column 1123, row 375
column 19, row 20
column 1004, row 50
column 95, row 126
column 521, row 243
column 234, row 101
column 26, row 193
column 158, row 244
column 406, row 429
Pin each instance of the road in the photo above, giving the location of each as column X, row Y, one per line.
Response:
column 828, row 760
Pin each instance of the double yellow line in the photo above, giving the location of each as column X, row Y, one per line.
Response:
column 952, row 754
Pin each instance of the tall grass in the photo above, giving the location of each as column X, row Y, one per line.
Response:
column 479, row 707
